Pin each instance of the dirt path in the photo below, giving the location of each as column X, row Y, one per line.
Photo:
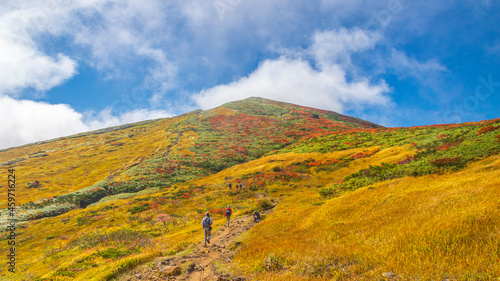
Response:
column 199, row 264
column 179, row 135
column 219, row 248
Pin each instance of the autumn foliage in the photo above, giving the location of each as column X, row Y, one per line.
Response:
column 346, row 199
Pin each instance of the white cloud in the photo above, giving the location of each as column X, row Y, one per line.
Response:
column 296, row 80
column 22, row 64
column 413, row 67
column 430, row 74
column 25, row 121
column 337, row 46
column 105, row 118
column 110, row 35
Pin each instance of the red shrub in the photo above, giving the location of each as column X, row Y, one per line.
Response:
column 407, row 160
column 449, row 161
column 487, row 129
column 217, row 212
column 154, row 205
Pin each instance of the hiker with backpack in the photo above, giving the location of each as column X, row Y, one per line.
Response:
column 228, row 214
column 256, row 216
column 207, row 227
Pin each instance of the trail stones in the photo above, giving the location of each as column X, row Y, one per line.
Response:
column 33, row 184
column 190, row 267
column 235, row 245
column 228, row 278
column 388, row 275
column 171, row 270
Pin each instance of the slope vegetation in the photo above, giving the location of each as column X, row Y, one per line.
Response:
column 349, row 199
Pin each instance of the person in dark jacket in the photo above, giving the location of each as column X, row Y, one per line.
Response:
column 207, row 227
column 256, row 216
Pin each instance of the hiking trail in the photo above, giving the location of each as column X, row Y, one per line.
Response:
column 199, row 264
column 179, row 135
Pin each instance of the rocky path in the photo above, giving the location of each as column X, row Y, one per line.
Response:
column 199, row 264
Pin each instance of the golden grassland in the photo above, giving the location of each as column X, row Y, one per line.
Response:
column 440, row 226
column 45, row 246
column 431, row 227
column 76, row 163
column 389, row 155
column 60, row 258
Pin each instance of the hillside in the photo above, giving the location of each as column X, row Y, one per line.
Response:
column 345, row 198
column 163, row 152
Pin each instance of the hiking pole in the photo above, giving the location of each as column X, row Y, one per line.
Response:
column 202, row 270
column 242, row 229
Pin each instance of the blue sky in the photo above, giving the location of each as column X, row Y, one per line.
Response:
column 73, row 66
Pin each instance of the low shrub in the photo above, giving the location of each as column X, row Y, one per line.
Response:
column 487, row 129
column 140, row 208
column 449, row 162
column 265, row 204
column 331, row 191
column 81, row 221
column 113, row 253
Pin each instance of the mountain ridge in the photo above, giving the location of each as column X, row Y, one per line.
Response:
column 196, row 111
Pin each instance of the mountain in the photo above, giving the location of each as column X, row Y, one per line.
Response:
column 341, row 198
column 159, row 153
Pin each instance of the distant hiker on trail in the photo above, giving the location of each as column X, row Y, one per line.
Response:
column 229, row 185
column 256, row 216
column 207, row 227
column 228, row 214
column 241, row 186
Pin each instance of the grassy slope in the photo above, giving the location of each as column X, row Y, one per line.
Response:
column 208, row 141
column 75, row 163
column 157, row 154
column 442, row 223
column 427, row 227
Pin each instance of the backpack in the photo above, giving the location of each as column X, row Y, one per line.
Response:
column 228, row 212
column 205, row 222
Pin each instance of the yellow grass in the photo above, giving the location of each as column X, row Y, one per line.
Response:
column 77, row 163
column 389, row 155
column 429, row 227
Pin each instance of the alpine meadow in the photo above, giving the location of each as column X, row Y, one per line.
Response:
column 340, row 198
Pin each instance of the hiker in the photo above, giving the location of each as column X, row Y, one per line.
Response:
column 256, row 216
column 241, row 186
column 207, row 227
column 228, row 214
column 229, row 185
